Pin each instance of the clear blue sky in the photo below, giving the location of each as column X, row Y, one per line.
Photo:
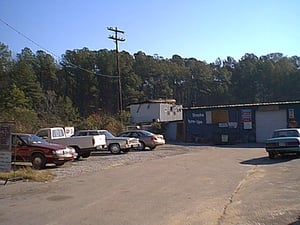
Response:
column 202, row 29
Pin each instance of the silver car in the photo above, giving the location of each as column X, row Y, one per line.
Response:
column 114, row 144
column 147, row 139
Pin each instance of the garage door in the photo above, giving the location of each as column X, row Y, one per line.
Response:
column 268, row 121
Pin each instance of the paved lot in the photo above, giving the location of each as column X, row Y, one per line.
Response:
column 173, row 185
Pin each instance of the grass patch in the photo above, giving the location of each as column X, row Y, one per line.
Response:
column 27, row 173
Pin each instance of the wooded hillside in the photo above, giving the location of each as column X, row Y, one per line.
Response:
column 81, row 89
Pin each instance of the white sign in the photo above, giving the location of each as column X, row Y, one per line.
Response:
column 5, row 148
column 5, row 160
column 69, row 131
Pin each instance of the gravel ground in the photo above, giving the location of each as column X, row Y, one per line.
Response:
column 103, row 160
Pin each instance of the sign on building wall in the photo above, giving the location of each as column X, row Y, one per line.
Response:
column 5, row 148
column 247, row 119
column 196, row 119
column 292, row 120
column 217, row 116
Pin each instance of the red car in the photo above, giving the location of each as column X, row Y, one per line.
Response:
column 31, row 148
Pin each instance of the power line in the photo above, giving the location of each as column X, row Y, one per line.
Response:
column 53, row 54
column 28, row 38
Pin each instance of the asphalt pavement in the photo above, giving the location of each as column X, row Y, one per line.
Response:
column 201, row 185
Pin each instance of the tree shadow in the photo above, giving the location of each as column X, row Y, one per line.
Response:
column 267, row 161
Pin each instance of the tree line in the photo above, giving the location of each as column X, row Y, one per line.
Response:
column 81, row 88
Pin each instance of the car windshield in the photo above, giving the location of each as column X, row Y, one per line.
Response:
column 147, row 133
column 107, row 134
column 32, row 139
column 286, row 133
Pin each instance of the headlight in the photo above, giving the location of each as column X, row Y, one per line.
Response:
column 65, row 151
column 59, row 152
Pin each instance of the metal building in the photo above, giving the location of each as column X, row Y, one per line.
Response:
column 238, row 123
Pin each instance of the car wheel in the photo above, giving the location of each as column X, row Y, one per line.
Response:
column 152, row 148
column 38, row 161
column 115, row 149
column 86, row 154
column 77, row 150
column 142, row 146
column 271, row 155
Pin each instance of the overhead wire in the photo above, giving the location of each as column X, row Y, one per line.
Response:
column 53, row 54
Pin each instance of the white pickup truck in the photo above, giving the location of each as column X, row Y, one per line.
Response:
column 83, row 145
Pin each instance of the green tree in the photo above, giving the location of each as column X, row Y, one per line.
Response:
column 246, row 80
column 45, row 69
column 131, row 82
column 5, row 67
column 25, row 78
column 80, row 64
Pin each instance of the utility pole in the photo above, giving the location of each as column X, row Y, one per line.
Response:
column 116, row 39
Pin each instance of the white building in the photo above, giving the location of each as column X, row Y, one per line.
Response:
column 161, row 110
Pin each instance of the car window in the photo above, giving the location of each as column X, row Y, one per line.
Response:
column 33, row 139
column 134, row 134
column 57, row 133
column 124, row 135
column 107, row 134
column 82, row 133
column 147, row 133
column 43, row 133
column 93, row 133
column 286, row 133
column 15, row 140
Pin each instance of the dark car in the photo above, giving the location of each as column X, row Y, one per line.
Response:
column 283, row 141
column 31, row 148
column 147, row 138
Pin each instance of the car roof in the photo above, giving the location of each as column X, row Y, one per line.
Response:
column 287, row 129
column 89, row 130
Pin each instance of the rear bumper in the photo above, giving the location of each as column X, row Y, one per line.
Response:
column 282, row 150
column 133, row 145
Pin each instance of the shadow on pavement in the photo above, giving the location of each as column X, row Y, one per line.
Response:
column 238, row 145
column 267, row 161
column 296, row 222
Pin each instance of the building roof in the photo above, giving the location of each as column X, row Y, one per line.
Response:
column 244, row 105
column 160, row 100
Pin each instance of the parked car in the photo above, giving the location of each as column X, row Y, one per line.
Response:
column 147, row 138
column 283, row 141
column 31, row 148
column 82, row 145
column 114, row 144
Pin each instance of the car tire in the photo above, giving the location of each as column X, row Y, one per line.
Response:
column 77, row 150
column 271, row 155
column 86, row 154
column 38, row 161
column 142, row 146
column 114, row 149
column 152, row 148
